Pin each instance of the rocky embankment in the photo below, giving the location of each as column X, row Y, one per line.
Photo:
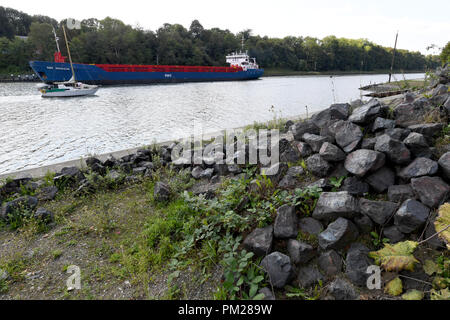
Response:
column 375, row 167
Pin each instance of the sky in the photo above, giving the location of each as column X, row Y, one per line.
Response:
column 420, row 23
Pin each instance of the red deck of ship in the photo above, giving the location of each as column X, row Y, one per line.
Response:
column 156, row 68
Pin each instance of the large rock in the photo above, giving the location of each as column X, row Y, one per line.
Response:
column 418, row 168
column 338, row 235
column 330, row 152
column 444, row 164
column 418, row 145
column 368, row 143
column 407, row 114
column 268, row 295
column 67, row 175
column 355, row 186
column 400, row 193
column 411, row 215
column 304, row 149
column 393, row 234
column 302, row 127
column 318, row 166
column 27, row 203
column 341, row 289
column 47, row 193
column 396, row 133
column 381, row 179
column 348, row 135
column 427, row 129
column 161, row 192
column 362, row 161
column 356, row 264
column 310, row 226
column 395, row 150
column 300, row 252
column 382, row 123
column 332, row 205
column 367, row 113
column 44, row 215
column 276, row 171
column 308, row 276
column 432, row 191
column 364, row 224
column 286, row 223
column 378, row 211
column 330, row 263
column 279, row 269
column 291, row 179
column 334, row 112
column 315, row 141
column 259, row 241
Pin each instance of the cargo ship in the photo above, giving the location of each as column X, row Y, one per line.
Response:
column 241, row 67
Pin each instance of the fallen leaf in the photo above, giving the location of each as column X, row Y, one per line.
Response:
column 413, row 295
column 394, row 287
column 396, row 257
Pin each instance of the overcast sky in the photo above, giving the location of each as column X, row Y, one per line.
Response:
column 420, row 23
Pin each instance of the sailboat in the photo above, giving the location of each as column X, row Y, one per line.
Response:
column 70, row 88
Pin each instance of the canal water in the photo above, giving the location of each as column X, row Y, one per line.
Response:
column 35, row 131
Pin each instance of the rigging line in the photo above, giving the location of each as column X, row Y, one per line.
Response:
column 79, row 57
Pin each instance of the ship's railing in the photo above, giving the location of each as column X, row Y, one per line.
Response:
column 158, row 68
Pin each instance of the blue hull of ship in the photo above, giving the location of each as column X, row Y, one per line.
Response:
column 57, row 72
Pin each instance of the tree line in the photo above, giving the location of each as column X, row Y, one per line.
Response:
column 112, row 41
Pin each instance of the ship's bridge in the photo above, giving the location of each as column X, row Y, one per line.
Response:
column 243, row 60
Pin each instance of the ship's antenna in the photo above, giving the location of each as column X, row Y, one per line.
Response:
column 56, row 39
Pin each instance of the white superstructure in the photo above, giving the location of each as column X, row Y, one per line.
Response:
column 242, row 59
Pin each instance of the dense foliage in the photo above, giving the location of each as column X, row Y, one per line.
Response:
column 112, row 41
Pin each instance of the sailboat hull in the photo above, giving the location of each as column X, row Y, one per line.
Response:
column 70, row 93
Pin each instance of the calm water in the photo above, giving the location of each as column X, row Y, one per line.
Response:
column 36, row 131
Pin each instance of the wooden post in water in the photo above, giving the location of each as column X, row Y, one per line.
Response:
column 393, row 57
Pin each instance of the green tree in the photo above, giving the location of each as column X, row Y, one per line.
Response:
column 445, row 54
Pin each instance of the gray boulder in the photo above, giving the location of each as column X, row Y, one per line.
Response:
column 341, row 289
column 397, row 133
column 300, row 252
column 286, row 223
column 268, row 295
column 279, row 269
column 418, row 168
column 330, row 152
column 310, row 226
column 355, row 186
column 411, row 215
column 418, row 145
column 330, row 263
column 308, row 276
column 364, row 223
column 393, row 234
column 368, row 143
column 444, row 164
column 161, row 192
column 197, row 172
column 47, row 193
column 315, row 141
column 407, row 114
column 381, row 180
column 432, row 191
column 400, row 193
column 334, row 112
column 356, row 264
column 362, row 161
column 44, row 215
column 318, row 166
column 367, row 112
column 382, row 123
column 429, row 130
column 378, row 211
column 395, row 150
column 338, row 235
column 291, row 179
column 304, row 149
column 276, row 171
column 348, row 135
column 332, row 205
column 302, row 127
column 28, row 203
column 259, row 241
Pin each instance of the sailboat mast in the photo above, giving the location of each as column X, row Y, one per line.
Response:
column 68, row 51
column 56, row 40
column 393, row 57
